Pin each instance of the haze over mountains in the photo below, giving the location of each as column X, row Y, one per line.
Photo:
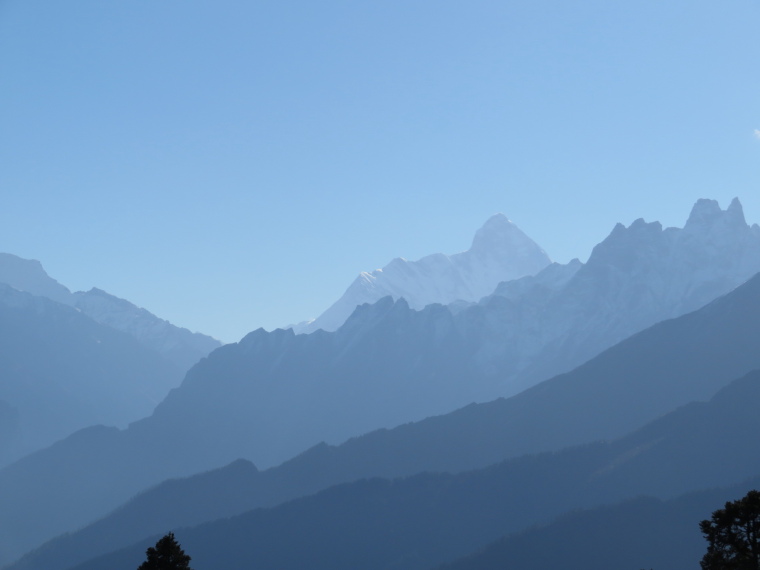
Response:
column 178, row 345
column 591, row 342
column 426, row 519
column 500, row 251
column 640, row 533
column 62, row 371
column 420, row 521
column 389, row 364
column 71, row 360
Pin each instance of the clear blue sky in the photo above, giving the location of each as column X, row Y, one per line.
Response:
column 231, row 164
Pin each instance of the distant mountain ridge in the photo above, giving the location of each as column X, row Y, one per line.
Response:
column 639, row 533
column 28, row 275
column 179, row 345
column 274, row 394
column 638, row 276
column 647, row 375
column 417, row 522
column 62, row 371
column 500, row 251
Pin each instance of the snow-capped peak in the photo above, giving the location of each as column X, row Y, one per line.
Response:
column 496, row 229
column 500, row 251
column 500, row 237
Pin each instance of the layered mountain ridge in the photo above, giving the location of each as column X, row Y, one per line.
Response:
column 179, row 345
column 62, row 371
column 645, row 376
column 429, row 518
column 500, row 251
column 274, row 394
column 71, row 360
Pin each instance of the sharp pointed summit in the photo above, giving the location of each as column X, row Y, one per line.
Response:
column 496, row 228
column 707, row 213
column 499, row 236
column 500, row 251
column 736, row 212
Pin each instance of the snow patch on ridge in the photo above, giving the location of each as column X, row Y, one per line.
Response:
column 500, row 251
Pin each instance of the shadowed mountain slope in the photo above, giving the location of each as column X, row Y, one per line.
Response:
column 639, row 533
column 179, row 346
column 62, row 371
column 388, row 364
column 633, row 383
column 424, row 520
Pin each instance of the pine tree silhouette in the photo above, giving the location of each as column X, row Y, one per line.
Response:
column 166, row 555
column 733, row 534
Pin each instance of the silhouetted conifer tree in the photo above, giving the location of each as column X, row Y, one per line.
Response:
column 734, row 535
column 166, row 555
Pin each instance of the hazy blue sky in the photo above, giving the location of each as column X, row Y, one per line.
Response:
column 234, row 164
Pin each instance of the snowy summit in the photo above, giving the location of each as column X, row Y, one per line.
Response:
column 499, row 252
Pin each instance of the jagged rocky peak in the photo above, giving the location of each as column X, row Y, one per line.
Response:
column 707, row 222
column 735, row 211
column 707, row 213
column 704, row 211
column 624, row 244
column 500, row 251
column 262, row 342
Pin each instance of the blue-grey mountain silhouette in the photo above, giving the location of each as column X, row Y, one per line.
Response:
column 420, row 521
column 636, row 381
column 180, row 346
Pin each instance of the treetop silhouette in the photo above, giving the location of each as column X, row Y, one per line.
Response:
column 733, row 534
column 166, row 555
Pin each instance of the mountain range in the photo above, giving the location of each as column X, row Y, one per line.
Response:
column 62, row 371
column 390, row 364
column 635, row 382
column 180, row 346
column 644, row 532
column 420, row 521
column 72, row 360
column 499, row 252
column 520, row 349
